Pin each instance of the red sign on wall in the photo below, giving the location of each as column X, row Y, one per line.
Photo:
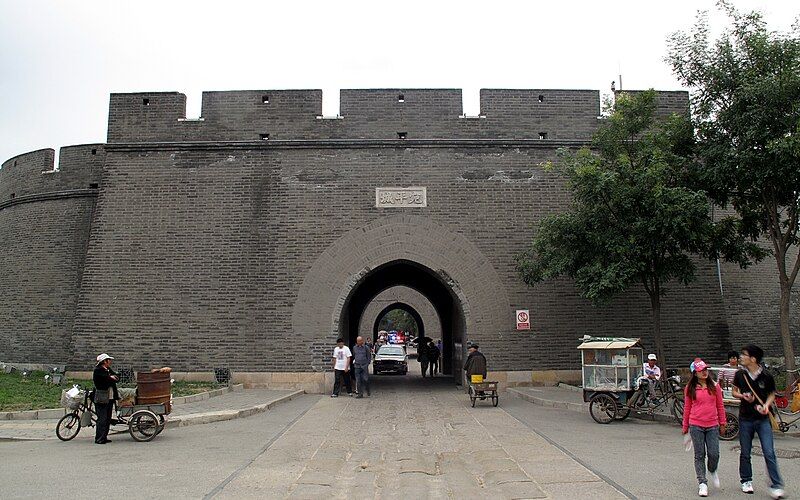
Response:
column 523, row 319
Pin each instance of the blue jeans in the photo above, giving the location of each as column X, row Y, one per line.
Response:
column 762, row 427
column 705, row 438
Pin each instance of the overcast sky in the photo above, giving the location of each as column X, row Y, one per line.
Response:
column 59, row 60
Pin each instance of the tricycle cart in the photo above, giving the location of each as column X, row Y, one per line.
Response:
column 483, row 390
column 612, row 369
column 144, row 420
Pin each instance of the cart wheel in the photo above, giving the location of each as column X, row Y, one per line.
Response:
column 732, row 429
column 143, row 425
column 622, row 412
column 161, row 424
column 603, row 408
column 68, row 427
column 495, row 400
column 677, row 410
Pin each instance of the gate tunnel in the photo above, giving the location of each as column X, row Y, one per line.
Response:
column 425, row 281
column 404, row 307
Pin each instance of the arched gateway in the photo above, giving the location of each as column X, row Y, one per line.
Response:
column 410, row 251
column 253, row 237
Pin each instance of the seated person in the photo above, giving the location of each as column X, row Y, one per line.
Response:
column 729, row 370
column 652, row 373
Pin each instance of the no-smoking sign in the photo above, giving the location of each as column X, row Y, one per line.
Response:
column 523, row 319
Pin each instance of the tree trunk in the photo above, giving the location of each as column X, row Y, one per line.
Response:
column 655, row 304
column 786, row 337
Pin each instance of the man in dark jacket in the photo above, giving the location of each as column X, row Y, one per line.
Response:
column 476, row 363
column 105, row 393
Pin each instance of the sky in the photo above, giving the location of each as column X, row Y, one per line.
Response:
column 60, row 60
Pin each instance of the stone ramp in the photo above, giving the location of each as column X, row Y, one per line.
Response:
column 421, row 443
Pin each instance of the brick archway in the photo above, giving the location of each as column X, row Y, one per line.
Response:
column 431, row 324
column 441, row 253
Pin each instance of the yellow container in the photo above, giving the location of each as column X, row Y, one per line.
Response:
column 476, row 379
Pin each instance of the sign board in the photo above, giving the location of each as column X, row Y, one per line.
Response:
column 397, row 197
column 523, row 319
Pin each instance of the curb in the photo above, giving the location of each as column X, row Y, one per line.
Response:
column 583, row 407
column 222, row 415
column 57, row 413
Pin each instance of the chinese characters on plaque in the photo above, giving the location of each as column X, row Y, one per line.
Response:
column 401, row 197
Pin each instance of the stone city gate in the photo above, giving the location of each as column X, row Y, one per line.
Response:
column 252, row 237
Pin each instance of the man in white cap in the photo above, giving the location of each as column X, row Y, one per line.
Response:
column 105, row 393
column 652, row 373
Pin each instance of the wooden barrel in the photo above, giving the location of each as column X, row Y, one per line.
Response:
column 153, row 388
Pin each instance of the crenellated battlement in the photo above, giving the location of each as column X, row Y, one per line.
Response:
column 79, row 167
column 253, row 115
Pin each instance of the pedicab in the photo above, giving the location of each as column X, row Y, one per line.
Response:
column 144, row 418
column 612, row 370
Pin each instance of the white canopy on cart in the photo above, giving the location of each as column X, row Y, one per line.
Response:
column 608, row 343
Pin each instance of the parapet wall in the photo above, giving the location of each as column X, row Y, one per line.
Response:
column 79, row 167
column 381, row 114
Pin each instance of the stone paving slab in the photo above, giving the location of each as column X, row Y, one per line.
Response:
column 420, row 444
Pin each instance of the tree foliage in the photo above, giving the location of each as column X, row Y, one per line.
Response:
column 746, row 112
column 633, row 221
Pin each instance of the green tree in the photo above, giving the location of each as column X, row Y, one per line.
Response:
column 398, row 319
column 632, row 221
column 746, row 111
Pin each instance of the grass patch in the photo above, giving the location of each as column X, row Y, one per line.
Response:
column 32, row 393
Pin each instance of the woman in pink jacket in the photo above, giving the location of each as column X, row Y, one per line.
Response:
column 703, row 418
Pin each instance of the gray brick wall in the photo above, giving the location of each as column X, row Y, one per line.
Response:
column 210, row 247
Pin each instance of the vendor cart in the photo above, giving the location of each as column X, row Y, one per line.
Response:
column 612, row 368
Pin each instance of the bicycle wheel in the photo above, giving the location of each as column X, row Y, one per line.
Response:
column 68, row 427
column 603, row 408
column 143, row 425
column 677, row 409
column 731, row 429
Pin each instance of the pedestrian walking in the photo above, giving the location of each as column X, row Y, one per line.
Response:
column 422, row 356
column 105, row 393
column 756, row 390
column 433, row 356
column 362, row 357
column 439, row 346
column 341, row 368
column 703, row 419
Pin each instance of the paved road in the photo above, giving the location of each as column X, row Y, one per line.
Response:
column 186, row 462
column 646, row 459
column 413, row 439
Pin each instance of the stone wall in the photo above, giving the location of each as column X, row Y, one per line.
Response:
column 237, row 240
column 45, row 215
